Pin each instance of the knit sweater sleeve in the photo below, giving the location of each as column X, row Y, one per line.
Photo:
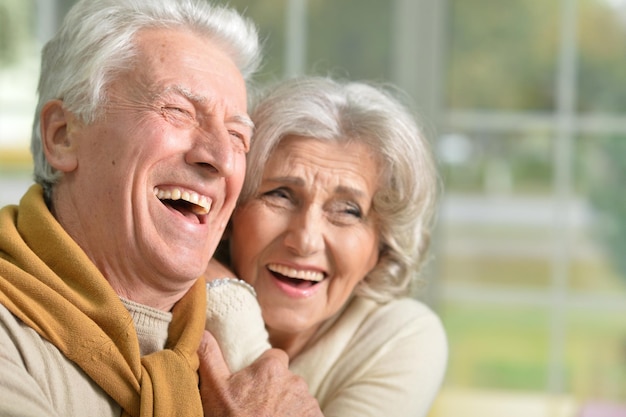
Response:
column 234, row 318
column 382, row 361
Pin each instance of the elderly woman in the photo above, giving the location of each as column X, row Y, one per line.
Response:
column 331, row 229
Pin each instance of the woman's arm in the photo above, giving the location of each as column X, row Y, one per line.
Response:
column 234, row 317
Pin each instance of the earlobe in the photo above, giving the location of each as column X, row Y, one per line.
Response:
column 58, row 143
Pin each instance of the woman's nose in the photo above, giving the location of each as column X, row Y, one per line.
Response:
column 305, row 235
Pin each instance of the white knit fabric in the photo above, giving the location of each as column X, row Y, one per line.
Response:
column 234, row 318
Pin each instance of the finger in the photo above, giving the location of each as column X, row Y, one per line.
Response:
column 212, row 363
column 277, row 355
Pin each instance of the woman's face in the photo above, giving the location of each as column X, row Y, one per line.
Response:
column 309, row 235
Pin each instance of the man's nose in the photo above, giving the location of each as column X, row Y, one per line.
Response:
column 213, row 149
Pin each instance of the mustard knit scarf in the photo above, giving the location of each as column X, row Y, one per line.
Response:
column 48, row 282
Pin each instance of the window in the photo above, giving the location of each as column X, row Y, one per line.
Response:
column 525, row 97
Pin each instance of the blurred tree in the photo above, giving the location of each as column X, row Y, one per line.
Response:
column 608, row 177
column 15, row 30
column 269, row 15
column 502, row 55
column 602, row 43
column 5, row 45
column 602, row 90
column 352, row 37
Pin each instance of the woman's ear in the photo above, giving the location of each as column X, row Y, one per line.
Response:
column 58, row 144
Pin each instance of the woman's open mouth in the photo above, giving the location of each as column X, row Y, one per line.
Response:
column 300, row 279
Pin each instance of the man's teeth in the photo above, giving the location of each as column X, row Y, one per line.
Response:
column 296, row 273
column 200, row 203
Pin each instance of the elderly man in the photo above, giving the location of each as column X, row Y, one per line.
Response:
column 139, row 144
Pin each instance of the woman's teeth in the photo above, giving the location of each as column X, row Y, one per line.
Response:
column 288, row 272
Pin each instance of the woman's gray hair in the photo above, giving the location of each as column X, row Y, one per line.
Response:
column 96, row 41
column 404, row 203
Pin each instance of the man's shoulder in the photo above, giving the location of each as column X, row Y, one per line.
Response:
column 38, row 377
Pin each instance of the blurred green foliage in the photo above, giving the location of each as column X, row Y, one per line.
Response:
column 15, row 30
column 608, row 197
column 506, row 348
column 502, row 55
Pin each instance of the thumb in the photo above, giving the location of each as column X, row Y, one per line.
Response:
column 213, row 367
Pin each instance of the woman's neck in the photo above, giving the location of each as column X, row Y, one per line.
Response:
column 292, row 343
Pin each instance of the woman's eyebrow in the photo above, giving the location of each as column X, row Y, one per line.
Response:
column 345, row 190
column 296, row 181
column 350, row 191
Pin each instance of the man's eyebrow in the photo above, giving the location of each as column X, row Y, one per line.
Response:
column 243, row 119
column 185, row 92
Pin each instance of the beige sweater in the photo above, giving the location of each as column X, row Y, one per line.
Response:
column 37, row 380
column 371, row 360
column 376, row 360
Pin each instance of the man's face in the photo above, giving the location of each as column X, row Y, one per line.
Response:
column 158, row 174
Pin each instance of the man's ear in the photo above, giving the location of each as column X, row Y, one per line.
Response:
column 58, row 143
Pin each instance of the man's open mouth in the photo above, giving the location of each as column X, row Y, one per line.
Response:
column 186, row 202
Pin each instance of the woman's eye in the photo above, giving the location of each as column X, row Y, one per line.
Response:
column 345, row 213
column 278, row 198
column 354, row 210
column 349, row 209
column 278, row 192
